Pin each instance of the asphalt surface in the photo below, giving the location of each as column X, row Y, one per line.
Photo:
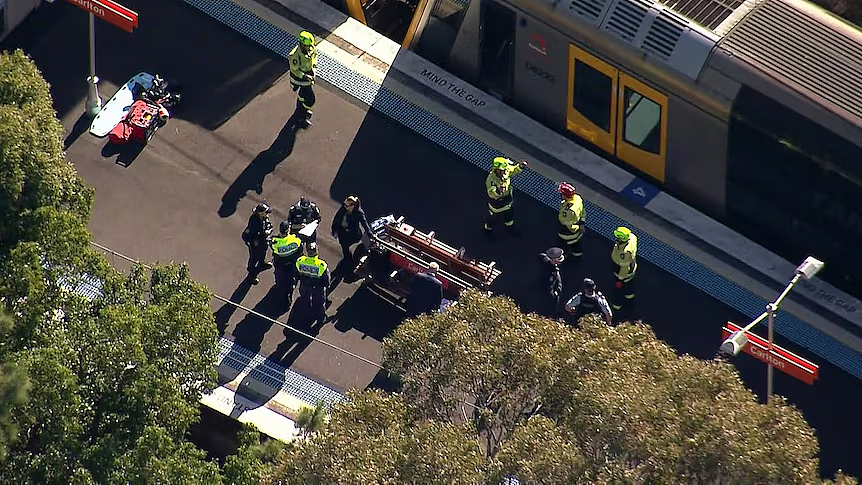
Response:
column 188, row 194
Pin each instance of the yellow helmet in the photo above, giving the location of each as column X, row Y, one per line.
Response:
column 622, row 234
column 501, row 162
column 306, row 38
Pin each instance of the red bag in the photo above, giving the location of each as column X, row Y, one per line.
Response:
column 121, row 133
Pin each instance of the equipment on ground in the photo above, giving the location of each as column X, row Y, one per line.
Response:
column 137, row 110
column 398, row 251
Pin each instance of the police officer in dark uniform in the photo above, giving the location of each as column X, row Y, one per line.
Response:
column 286, row 249
column 255, row 236
column 301, row 214
column 589, row 301
column 550, row 280
column 314, row 281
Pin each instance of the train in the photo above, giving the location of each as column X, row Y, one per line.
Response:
column 749, row 110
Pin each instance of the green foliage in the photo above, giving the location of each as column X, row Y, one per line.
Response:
column 646, row 414
column 34, row 173
column 618, row 405
column 14, row 388
column 311, row 420
column 103, row 371
column 541, row 452
column 483, row 350
column 253, row 458
column 372, row 438
column 158, row 458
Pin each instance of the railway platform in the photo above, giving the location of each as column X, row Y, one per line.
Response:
column 396, row 141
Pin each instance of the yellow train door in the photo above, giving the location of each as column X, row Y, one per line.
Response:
column 642, row 130
column 592, row 106
column 617, row 113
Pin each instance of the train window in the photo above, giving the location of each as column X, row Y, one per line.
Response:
column 593, row 94
column 441, row 29
column 641, row 134
column 807, row 176
column 641, row 121
column 592, row 109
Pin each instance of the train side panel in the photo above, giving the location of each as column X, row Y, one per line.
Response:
column 696, row 166
column 540, row 72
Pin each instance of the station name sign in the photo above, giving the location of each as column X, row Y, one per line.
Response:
column 111, row 12
column 781, row 359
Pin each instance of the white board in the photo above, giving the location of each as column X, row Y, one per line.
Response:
column 116, row 108
column 309, row 229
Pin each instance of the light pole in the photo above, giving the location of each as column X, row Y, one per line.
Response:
column 734, row 344
column 94, row 102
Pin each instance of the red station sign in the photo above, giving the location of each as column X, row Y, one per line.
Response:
column 111, row 12
column 781, row 359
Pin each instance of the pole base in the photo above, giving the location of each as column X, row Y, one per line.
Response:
column 94, row 102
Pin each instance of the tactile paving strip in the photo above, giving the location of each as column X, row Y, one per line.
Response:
column 439, row 131
column 274, row 375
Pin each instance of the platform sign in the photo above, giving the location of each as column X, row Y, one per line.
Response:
column 781, row 359
column 111, row 12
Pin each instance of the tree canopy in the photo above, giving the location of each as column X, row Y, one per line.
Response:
column 36, row 181
column 373, row 438
column 96, row 388
column 521, row 395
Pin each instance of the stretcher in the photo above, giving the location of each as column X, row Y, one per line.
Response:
column 397, row 251
column 117, row 108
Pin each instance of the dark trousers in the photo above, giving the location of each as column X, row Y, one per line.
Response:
column 623, row 294
column 304, row 99
column 571, row 246
column 256, row 256
column 314, row 299
column 347, row 240
column 285, row 279
column 553, row 305
column 508, row 215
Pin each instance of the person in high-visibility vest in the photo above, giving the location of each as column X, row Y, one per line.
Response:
column 314, row 281
column 573, row 220
column 303, row 62
column 498, row 186
column 286, row 249
column 625, row 265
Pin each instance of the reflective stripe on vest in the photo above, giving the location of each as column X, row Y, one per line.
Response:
column 285, row 246
column 312, row 267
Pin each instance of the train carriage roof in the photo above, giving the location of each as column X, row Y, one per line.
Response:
column 805, row 48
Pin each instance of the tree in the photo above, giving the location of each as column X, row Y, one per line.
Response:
column 158, row 458
column 541, row 452
column 34, row 173
column 105, row 370
column 14, row 389
column 618, row 405
column 643, row 413
column 373, row 438
column 483, row 351
column 311, row 420
column 253, row 458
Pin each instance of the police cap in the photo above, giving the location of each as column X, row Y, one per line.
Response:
column 263, row 207
column 554, row 253
column 284, row 227
column 589, row 284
